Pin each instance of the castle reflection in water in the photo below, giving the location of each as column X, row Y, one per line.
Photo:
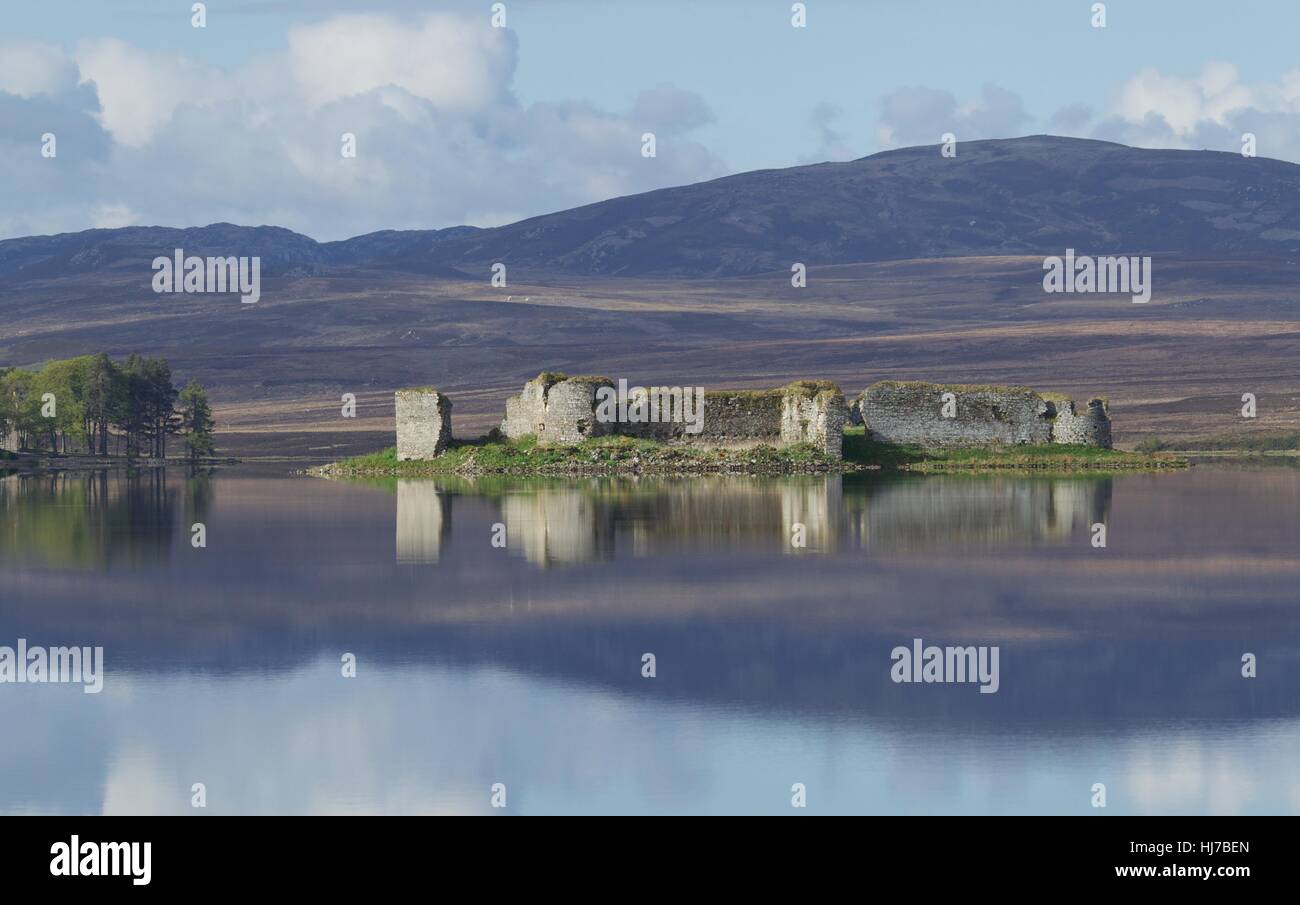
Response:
column 555, row 523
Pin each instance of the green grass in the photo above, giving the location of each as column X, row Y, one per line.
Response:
column 607, row 455
column 596, row 455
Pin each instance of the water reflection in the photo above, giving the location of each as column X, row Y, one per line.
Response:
column 553, row 522
column 957, row 512
column 423, row 521
column 478, row 662
column 97, row 519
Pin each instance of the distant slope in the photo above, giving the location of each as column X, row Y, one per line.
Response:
column 283, row 252
column 1034, row 195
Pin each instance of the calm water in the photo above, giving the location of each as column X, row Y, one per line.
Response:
column 478, row 665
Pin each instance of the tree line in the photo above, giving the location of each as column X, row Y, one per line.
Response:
column 94, row 405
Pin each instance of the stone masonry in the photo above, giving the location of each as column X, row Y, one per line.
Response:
column 423, row 423
column 1090, row 427
column 558, row 409
column 912, row 412
column 814, row 412
column 734, row 419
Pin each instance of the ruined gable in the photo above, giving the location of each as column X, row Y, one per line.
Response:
column 423, row 423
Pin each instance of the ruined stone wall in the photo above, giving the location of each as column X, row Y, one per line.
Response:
column 814, row 413
column 912, row 412
column 733, row 418
column 740, row 418
column 556, row 408
column 1091, row 427
column 423, row 423
column 560, row 409
column 800, row 413
column 571, row 411
column 526, row 412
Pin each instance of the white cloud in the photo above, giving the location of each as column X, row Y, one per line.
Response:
column 138, row 93
column 451, row 61
column 156, row 138
column 1184, row 103
column 1209, row 110
column 27, row 70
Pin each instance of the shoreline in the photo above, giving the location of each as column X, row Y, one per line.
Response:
column 667, row 461
column 621, row 456
column 44, row 463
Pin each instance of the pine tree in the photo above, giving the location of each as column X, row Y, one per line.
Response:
column 196, row 420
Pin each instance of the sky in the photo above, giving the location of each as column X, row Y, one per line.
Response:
column 158, row 122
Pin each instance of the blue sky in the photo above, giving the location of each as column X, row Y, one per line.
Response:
column 549, row 114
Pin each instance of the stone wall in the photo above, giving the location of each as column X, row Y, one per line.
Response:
column 560, row 409
column 423, row 423
column 912, row 412
column 556, row 408
column 735, row 418
column 1091, row 427
column 814, row 413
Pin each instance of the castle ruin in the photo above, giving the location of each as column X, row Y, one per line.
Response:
column 562, row 410
column 559, row 409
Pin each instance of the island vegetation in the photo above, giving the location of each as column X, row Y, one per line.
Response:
column 91, row 405
column 494, row 454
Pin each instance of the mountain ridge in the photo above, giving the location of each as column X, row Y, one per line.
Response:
column 1031, row 195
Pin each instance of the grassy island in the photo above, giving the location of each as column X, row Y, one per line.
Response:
column 595, row 456
column 625, row 455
